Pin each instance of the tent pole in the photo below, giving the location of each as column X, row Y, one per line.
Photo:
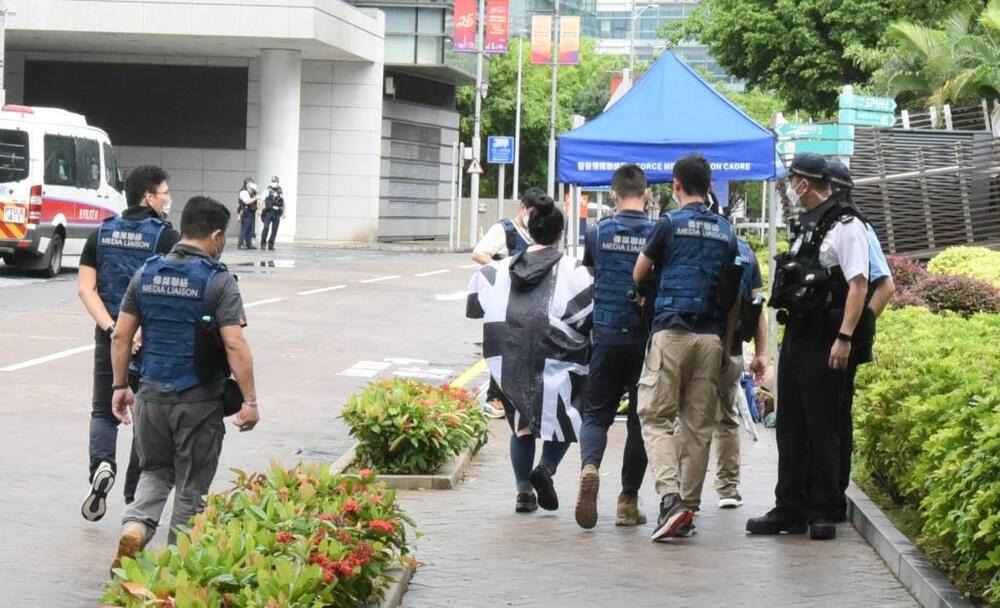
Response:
column 772, row 247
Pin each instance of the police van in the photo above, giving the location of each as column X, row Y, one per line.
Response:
column 59, row 179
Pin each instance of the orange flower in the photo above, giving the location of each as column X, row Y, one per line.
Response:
column 365, row 473
column 382, row 525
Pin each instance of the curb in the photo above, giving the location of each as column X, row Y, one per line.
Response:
column 401, row 576
column 430, row 247
column 446, row 479
column 927, row 584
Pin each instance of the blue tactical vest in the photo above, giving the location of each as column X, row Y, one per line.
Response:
column 619, row 244
column 515, row 242
column 749, row 259
column 699, row 250
column 171, row 305
column 122, row 247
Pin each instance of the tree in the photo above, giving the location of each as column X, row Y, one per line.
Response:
column 800, row 49
column 579, row 92
column 957, row 61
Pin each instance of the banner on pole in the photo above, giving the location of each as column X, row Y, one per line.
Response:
column 497, row 19
column 541, row 39
column 464, row 35
column 569, row 40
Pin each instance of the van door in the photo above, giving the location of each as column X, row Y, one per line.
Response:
column 59, row 192
column 14, row 186
column 113, row 188
column 91, row 202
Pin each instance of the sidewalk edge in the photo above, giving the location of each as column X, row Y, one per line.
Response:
column 926, row 584
column 401, row 575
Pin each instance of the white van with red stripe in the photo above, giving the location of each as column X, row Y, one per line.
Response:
column 59, row 179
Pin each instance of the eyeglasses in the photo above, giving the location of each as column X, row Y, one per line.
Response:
column 162, row 192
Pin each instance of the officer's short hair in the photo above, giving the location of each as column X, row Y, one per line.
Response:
column 546, row 222
column 202, row 216
column 141, row 180
column 629, row 181
column 694, row 173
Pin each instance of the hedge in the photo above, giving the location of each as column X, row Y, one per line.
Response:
column 927, row 431
column 975, row 262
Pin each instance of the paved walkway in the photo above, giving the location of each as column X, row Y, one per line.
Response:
column 478, row 553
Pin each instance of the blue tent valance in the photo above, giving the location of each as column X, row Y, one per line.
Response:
column 669, row 113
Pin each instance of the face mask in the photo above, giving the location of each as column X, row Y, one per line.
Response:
column 274, row 184
column 165, row 210
column 222, row 247
column 793, row 196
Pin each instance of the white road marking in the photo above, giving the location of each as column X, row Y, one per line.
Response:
column 15, row 282
column 365, row 369
column 445, row 297
column 432, row 273
column 53, row 357
column 423, row 374
column 399, row 361
column 261, row 302
column 467, row 266
column 321, row 290
column 377, row 279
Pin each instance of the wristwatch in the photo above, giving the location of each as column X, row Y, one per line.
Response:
column 110, row 329
column 845, row 337
column 118, row 387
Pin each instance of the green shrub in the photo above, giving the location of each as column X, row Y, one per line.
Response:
column 927, row 415
column 906, row 273
column 975, row 262
column 405, row 426
column 960, row 294
column 296, row 538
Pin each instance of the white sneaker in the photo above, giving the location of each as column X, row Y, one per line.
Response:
column 731, row 502
column 96, row 503
column 493, row 409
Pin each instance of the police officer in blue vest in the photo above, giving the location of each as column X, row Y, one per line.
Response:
column 508, row 237
column 110, row 257
column 619, row 345
column 693, row 324
column 881, row 288
column 192, row 319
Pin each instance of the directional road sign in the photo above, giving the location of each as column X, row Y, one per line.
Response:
column 867, row 103
column 814, row 131
column 825, row 148
column 867, row 118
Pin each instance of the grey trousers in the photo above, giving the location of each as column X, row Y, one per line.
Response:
column 179, row 445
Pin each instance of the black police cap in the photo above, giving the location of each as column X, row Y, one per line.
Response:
column 840, row 174
column 809, row 165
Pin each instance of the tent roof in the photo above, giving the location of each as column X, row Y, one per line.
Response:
column 668, row 113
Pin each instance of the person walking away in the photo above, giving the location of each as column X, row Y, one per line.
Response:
column 881, row 288
column 192, row 319
column 110, row 257
column 247, row 211
column 536, row 307
column 618, row 347
column 752, row 325
column 274, row 212
column 695, row 317
column 820, row 288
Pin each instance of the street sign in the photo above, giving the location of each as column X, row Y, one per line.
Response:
column 867, row 118
column 870, row 104
column 825, row 148
column 500, row 150
column 474, row 167
column 814, row 131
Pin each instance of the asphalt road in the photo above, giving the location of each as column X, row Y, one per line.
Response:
column 322, row 322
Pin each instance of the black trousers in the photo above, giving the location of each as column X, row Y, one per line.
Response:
column 810, row 425
column 846, row 439
column 103, row 424
column 270, row 220
column 613, row 371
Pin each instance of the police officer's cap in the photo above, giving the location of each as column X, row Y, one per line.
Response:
column 810, row 166
column 840, row 174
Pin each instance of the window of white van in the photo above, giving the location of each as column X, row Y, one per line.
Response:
column 88, row 164
column 60, row 161
column 112, row 175
column 13, row 155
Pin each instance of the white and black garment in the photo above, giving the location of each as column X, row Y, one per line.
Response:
column 537, row 310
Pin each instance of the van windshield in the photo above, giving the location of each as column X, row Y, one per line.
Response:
column 13, row 155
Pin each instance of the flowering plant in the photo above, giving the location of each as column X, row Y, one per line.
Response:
column 410, row 427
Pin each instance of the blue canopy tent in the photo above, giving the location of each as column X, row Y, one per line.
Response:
column 670, row 112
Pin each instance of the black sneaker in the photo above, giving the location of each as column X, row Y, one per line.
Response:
column 96, row 504
column 841, row 516
column 776, row 521
column 822, row 529
column 270, row 247
column 541, row 480
column 674, row 515
column 525, row 503
column 730, row 502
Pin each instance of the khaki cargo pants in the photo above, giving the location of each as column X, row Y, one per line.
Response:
column 727, row 433
column 679, row 396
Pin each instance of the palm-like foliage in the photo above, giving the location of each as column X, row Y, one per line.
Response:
column 957, row 61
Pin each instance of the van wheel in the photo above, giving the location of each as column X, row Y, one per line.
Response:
column 8, row 258
column 53, row 260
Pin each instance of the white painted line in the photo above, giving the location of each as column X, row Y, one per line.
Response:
column 261, row 302
column 467, row 266
column 400, row 361
column 377, row 279
column 432, row 273
column 445, row 297
column 47, row 358
column 321, row 290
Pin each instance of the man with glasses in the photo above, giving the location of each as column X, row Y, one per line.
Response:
column 110, row 257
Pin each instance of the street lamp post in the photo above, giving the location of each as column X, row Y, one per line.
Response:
column 474, row 182
column 517, row 118
column 631, row 37
column 551, row 181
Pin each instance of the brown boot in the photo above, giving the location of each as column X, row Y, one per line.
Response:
column 629, row 513
column 586, row 498
column 132, row 540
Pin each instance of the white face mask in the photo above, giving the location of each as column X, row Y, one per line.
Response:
column 165, row 211
column 274, row 184
column 793, row 197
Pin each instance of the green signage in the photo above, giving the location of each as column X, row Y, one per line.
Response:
column 867, row 118
column 815, row 131
column 867, row 103
column 825, row 148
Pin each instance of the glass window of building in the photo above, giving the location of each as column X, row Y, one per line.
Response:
column 400, row 20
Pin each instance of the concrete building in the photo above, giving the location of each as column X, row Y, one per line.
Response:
column 217, row 90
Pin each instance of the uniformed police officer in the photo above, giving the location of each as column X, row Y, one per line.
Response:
column 821, row 287
column 110, row 257
column 881, row 288
column 508, row 238
column 692, row 332
column 192, row 319
column 618, row 347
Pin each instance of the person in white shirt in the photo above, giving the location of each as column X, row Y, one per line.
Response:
column 247, row 212
column 508, row 238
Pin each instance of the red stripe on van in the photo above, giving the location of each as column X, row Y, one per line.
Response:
column 75, row 212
